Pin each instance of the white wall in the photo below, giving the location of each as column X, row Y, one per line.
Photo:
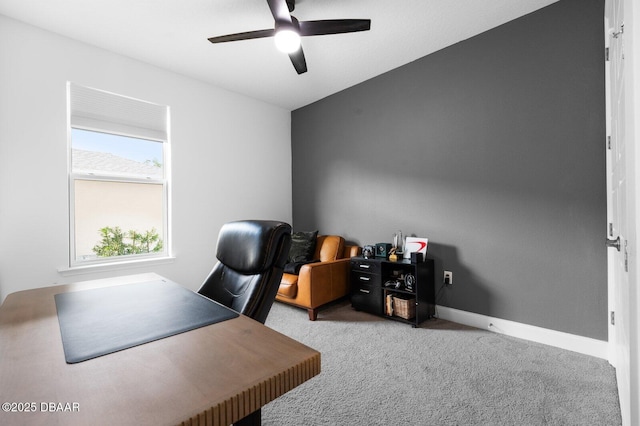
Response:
column 231, row 156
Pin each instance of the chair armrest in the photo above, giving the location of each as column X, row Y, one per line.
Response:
column 323, row 282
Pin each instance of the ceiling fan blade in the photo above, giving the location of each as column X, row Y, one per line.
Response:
column 333, row 26
column 280, row 10
column 298, row 61
column 243, row 36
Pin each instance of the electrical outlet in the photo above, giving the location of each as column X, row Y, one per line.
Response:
column 448, row 277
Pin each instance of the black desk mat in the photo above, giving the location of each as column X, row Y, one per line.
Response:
column 101, row 321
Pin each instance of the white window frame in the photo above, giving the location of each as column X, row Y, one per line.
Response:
column 110, row 113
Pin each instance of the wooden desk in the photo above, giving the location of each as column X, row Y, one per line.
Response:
column 214, row 375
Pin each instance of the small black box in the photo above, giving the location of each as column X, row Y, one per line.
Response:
column 383, row 249
column 417, row 257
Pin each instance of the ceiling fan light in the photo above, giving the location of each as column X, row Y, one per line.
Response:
column 287, row 40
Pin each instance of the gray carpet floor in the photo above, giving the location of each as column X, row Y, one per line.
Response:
column 381, row 372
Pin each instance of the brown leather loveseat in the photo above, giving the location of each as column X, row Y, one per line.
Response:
column 320, row 282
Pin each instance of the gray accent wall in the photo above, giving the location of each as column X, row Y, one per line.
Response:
column 494, row 149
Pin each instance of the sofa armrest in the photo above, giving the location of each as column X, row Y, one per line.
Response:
column 351, row 251
column 323, row 282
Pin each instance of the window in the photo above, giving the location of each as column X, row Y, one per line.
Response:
column 118, row 178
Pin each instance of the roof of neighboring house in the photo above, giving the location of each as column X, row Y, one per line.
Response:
column 92, row 161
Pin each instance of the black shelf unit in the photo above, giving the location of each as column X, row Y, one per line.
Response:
column 373, row 279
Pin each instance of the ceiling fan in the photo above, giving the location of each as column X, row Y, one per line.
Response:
column 288, row 30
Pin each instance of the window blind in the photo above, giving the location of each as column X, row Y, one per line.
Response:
column 98, row 110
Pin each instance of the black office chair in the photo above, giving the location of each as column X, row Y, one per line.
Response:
column 251, row 255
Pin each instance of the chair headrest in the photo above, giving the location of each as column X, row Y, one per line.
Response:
column 251, row 246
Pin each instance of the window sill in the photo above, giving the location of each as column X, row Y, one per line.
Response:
column 114, row 266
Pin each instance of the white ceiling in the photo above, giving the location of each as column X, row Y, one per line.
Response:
column 172, row 34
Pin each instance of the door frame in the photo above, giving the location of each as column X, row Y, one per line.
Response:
column 629, row 398
column 632, row 27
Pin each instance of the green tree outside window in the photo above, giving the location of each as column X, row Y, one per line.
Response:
column 115, row 242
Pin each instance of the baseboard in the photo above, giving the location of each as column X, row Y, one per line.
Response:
column 559, row 339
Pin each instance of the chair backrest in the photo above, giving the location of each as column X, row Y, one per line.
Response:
column 251, row 255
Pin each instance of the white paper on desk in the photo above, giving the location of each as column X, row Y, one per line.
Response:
column 413, row 245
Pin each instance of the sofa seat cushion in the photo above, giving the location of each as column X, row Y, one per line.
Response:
column 288, row 286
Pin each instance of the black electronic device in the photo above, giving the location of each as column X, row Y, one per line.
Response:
column 368, row 252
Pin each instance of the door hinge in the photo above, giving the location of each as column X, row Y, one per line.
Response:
column 611, row 229
column 613, row 318
column 608, row 142
column 606, row 54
